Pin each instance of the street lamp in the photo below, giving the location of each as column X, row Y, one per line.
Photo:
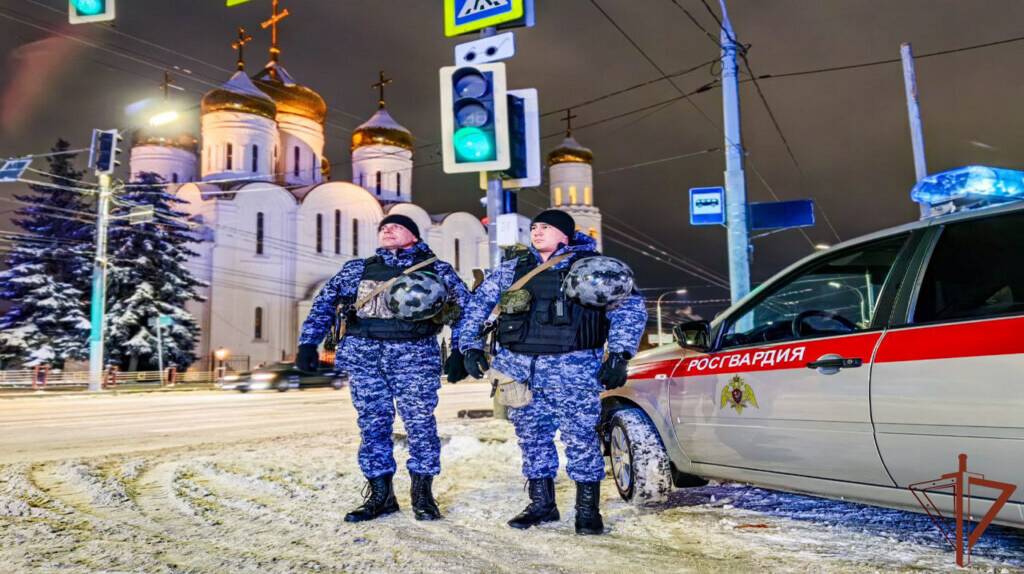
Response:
column 658, row 305
column 221, row 353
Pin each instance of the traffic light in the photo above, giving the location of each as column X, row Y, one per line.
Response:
column 85, row 11
column 474, row 118
column 104, row 150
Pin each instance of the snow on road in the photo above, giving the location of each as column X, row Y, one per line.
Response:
column 274, row 503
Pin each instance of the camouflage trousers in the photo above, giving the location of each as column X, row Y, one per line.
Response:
column 566, row 398
column 383, row 374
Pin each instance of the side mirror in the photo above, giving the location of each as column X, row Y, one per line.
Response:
column 693, row 335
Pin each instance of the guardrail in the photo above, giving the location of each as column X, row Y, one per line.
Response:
column 42, row 379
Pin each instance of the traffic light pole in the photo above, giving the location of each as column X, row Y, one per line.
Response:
column 99, row 287
column 735, row 178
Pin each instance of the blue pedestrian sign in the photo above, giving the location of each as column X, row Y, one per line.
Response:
column 465, row 16
column 707, row 206
column 12, row 169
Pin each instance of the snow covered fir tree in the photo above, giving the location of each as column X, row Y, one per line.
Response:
column 147, row 277
column 48, row 269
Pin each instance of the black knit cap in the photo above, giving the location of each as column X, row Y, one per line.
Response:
column 558, row 219
column 402, row 220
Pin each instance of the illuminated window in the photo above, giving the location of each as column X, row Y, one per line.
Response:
column 572, row 194
column 593, row 232
column 558, row 196
column 588, row 196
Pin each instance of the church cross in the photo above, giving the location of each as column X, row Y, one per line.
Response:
column 275, row 17
column 569, row 116
column 380, row 86
column 239, row 45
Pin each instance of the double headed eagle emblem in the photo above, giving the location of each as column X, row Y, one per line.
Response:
column 738, row 395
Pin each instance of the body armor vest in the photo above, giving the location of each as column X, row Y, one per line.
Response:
column 374, row 320
column 554, row 323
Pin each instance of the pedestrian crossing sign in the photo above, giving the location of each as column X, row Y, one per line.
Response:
column 465, row 16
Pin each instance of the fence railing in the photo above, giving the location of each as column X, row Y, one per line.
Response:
column 41, row 379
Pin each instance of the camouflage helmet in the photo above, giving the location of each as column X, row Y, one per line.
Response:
column 417, row 296
column 599, row 281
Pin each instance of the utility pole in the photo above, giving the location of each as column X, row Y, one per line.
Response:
column 99, row 288
column 914, row 115
column 735, row 178
column 495, row 192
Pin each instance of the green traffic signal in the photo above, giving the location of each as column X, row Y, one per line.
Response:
column 89, row 7
column 473, row 145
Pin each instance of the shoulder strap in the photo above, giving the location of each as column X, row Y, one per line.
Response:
column 530, row 275
column 386, row 284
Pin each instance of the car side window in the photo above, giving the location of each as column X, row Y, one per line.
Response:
column 972, row 272
column 835, row 296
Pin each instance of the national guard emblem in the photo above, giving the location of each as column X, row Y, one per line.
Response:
column 738, row 395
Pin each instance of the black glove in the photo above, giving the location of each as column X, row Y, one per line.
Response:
column 455, row 368
column 475, row 363
column 613, row 371
column 307, row 359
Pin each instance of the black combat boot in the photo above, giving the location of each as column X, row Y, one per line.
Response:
column 588, row 515
column 542, row 505
column 423, row 503
column 379, row 499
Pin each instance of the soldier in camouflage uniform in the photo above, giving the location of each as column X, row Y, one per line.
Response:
column 557, row 347
column 390, row 362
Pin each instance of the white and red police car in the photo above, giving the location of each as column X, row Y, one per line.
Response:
column 854, row 373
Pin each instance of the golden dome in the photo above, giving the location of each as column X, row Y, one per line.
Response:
column 238, row 95
column 382, row 129
column 291, row 98
column 570, row 151
column 183, row 141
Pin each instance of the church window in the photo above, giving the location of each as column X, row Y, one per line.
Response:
column 255, row 158
column 558, row 196
column 312, row 168
column 295, row 168
column 378, row 183
column 572, row 194
column 398, row 184
column 355, row 237
column 259, row 233
column 362, row 180
column 174, row 177
column 229, row 157
column 319, row 233
column 457, row 255
column 257, row 324
column 592, row 232
column 337, row 232
column 588, row 195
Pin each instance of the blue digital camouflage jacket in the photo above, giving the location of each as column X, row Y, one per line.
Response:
column 344, row 285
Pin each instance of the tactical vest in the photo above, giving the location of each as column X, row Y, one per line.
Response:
column 554, row 323
column 374, row 320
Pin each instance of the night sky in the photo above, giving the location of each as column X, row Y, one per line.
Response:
column 847, row 129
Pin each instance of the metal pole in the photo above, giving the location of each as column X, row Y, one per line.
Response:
column 914, row 114
column 494, row 200
column 658, row 305
column 735, row 179
column 99, row 288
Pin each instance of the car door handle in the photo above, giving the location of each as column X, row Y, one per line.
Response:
column 831, row 364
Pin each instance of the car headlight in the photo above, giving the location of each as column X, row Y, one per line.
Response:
column 259, row 386
column 263, row 377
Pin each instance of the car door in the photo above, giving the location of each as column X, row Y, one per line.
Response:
column 948, row 377
column 785, row 387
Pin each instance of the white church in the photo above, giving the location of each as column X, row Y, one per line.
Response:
column 274, row 226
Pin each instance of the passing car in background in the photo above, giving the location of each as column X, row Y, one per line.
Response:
column 282, row 377
column 854, row 373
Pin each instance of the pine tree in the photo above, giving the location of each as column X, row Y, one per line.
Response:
column 147, row 277
column 48, row 270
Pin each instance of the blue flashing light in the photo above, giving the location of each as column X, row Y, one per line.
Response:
column 970, row 182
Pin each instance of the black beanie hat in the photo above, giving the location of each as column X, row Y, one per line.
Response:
column 558, row 219
column 402, row 220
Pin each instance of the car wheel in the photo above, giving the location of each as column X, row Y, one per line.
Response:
column 243, row 389
column 338, row 384
column 282, row 386
column 640, row 465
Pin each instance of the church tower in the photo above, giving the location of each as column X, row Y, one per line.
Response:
column 382, row 154
column 238, row 128
column 167, row 150
column 571, row 176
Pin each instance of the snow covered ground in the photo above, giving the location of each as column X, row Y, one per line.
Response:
column 274, row 502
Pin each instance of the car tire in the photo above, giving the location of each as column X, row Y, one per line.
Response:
column 338, row 384
column 640, row 465
column 282, row 386
column 243, row 390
